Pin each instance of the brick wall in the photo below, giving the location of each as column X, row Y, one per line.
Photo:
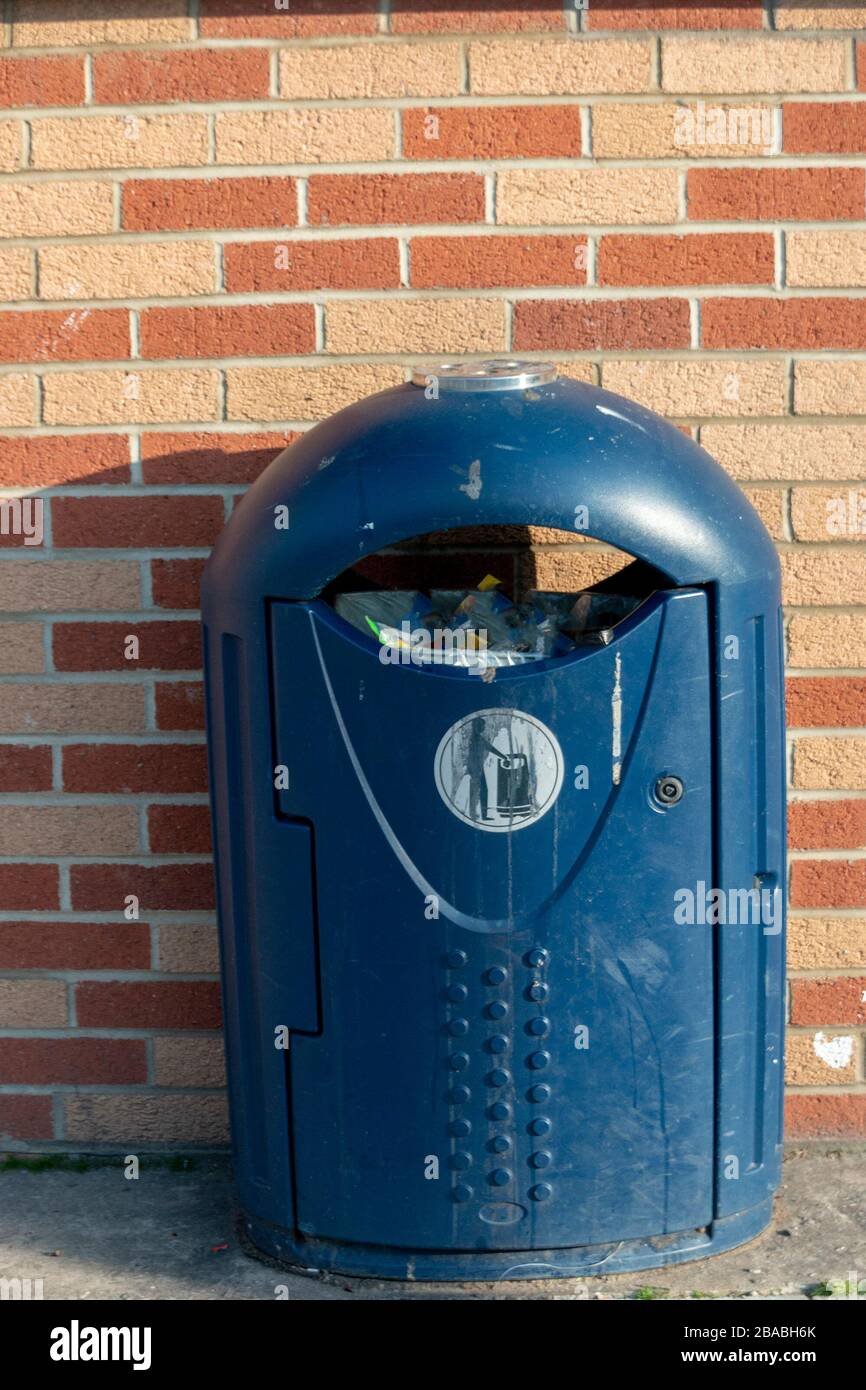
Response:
column 219, row 222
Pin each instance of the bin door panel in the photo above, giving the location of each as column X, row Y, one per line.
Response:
column 516, row 1044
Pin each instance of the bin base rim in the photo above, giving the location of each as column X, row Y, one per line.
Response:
column 312, row 1257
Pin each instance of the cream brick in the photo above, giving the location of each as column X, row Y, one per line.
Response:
column 51, row 830
column 148, row 1119
column 315, row 136
column 149, row 397
column 49, row 24
column 578, row 371
column 11, row 146
column 820, row 943
column 302, row 393
column 17, row 399
column 22, row 650
column 424, row 325
column 372, row 70
column 189, row 1062
column 564, row 569
column 527, row 197
column 829, row 514
column 60, row 586
column 679, row 129
column 701, row 387
column 822, row 576
column 833, row 259
column 821, row 1059
column 55, row 209
column 835, row 763
column 559, row 67
column 823, row 641
column 127, row 270
column 16, row 273
column 190, row 950
column 836, row 387
column 788, row 451
column 118, row 142
column 45, row 707
column 768, row 64
column 792, row 14
column 32, row 1004
column 768, row 502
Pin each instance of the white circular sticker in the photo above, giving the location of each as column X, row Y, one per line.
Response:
column 498, row 769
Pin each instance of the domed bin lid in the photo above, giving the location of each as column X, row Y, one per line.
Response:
column 488, row 443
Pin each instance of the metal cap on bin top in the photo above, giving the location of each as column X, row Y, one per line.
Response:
column 481, row 446
column 497, row 374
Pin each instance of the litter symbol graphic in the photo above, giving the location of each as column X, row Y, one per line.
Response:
column 498, row 769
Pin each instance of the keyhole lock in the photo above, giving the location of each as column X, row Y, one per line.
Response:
column 669, row 790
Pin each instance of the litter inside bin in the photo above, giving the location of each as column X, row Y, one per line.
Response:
column 483, row 628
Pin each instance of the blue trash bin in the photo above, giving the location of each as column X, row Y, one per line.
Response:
column 503, row 957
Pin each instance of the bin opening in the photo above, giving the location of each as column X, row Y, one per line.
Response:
column 512, row 611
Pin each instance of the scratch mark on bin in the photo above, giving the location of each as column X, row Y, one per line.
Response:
column 616, row 720
column 606, row 410
column 472, row 487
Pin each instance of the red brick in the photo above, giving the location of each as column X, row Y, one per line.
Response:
column 828, row 883
column 475, row 16
column 74, row 946
column 48, row 81
column 180, row 705
column 24, row 767
column 357, row 200
column 134, row 767
column 149, row 522
column 828, row 1001
column 827, row 824
column 203, row 457
column 183, row 75
column 26, row 1117
column 161, row 1004
column 674, row 14
column 492, row 132
column 776, row 195
column 817, row 127
column 64, row 335
column 176, row 583
column 484, row 262
column 708, row 259
column 229, row 330
column 186, row 204
column 163, row 646
column 549, row 325
column 861, row 67
column 54, row 459
column 29, row 888
column 830, row 702
column 179, row 829
column 160, row 888
column 13, row 540
column 825, row 1116
column 369, row 264
column 783, row 323
column 72, row 1061
column 251, row 19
